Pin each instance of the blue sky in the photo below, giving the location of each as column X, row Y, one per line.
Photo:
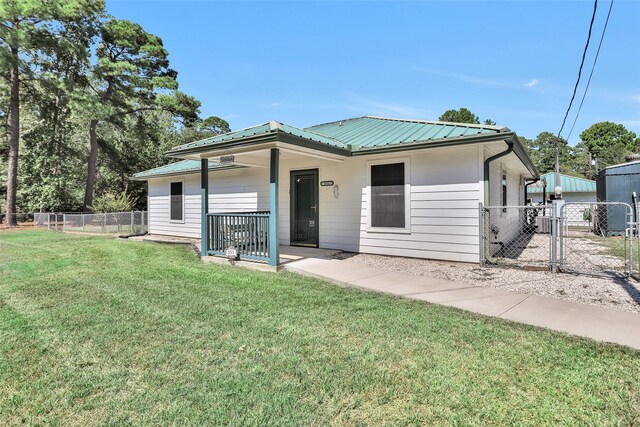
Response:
column 305, row 63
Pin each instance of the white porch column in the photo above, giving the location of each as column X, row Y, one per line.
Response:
column 274, row 252
column 204, row 196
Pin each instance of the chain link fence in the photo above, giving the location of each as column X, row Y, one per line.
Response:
column 134, row 222
column 587, row 238
column 596, row 238
column 516, row 236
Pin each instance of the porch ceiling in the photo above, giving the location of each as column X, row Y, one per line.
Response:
column 259, row 156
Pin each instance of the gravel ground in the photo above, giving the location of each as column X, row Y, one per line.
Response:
column 604, row 292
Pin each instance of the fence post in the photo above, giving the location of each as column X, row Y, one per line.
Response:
column 481, row 232
column 562, row 223
column 64, row 222
column 554, row 236
column 132, row 231
column 82, row 216
column 632, row 230
column 637, row 230
column 49, row 221
column 142, row 222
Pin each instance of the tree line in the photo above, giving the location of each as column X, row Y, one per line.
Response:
column 86, row 100
column 601, row 144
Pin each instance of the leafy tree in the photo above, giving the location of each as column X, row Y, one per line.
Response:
column 51, row 152
column 139, row 143
column 131, row 76
column 463, row 115
column 113, row 202
column 30, row 30
column 213, row 125
column 541, row 150
column 202, row 129
column 609, row 142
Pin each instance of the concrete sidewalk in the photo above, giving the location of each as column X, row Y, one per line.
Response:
column 598, row 323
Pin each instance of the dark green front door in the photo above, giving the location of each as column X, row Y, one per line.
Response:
column 304, row 208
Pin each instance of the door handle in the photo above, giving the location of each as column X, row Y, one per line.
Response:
column 313, row 207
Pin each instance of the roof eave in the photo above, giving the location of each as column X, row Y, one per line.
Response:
column 277, row 136
column 178, row 173
column 521, row 152
column 519, row 149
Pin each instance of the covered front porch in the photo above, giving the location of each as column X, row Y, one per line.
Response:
column 253, row 235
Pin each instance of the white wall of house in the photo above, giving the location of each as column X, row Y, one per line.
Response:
column 444, row 189
column 508, row 222
column 236, row 190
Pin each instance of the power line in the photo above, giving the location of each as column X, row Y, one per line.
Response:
column 584, row 54
column 604, row 30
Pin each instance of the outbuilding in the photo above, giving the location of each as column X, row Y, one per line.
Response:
column 618, row 183
column 574, row 189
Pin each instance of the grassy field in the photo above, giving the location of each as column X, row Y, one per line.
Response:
column 98, row 331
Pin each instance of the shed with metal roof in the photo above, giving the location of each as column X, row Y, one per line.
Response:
column 570, row 186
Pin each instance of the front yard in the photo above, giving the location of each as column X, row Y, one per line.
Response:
column 102, row 331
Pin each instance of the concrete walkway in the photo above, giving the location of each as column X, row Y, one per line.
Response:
column 598, row 323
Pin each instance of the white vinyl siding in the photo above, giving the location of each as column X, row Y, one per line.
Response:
column 444, row 195
column 443, row 192
column 508, row 222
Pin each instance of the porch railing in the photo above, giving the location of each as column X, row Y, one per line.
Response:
column 246, row 233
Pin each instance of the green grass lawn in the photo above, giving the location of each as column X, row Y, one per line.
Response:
column 103, row 331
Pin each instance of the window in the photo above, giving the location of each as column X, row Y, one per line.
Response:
column 176, row 207
column 388, row 207
column 504, row 190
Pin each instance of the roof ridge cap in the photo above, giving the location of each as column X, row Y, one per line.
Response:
column 570, row 176
column 315, row 133
column 439, row 122
column 335, row 121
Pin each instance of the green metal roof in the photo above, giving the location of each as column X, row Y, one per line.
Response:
column 178, row 168
column 369, row 131
column 569, row 184
column 354, row 134
column 360, row 135
column 259, row 130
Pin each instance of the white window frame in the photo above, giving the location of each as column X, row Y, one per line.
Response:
column 177, row 221
column 407, row 196
column 504, row 172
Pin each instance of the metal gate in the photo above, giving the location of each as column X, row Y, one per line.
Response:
column 596, row 238
column 585, row 238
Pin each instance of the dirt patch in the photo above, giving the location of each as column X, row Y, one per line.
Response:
column 20, row 226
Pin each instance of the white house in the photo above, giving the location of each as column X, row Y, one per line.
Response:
column 368, row 184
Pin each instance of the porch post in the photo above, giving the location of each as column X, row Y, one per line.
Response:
column 274, row 252
column 204, row 197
